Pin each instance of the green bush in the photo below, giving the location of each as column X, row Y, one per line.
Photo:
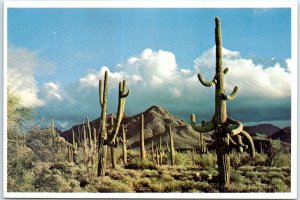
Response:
column 141, row 164
column 207, row 161
column 279, row 185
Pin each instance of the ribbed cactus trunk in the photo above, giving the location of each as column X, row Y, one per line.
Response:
column 160, row 151
column 113, row 154
column 157, row 155
column 152, row 151
column 102, row 155
column 172, row 149
column 142, row 138
column 55, row 140
column 124, row 141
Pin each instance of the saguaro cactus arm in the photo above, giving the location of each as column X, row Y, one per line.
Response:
column 123, row 87
column 103, row 95
column 226, row 70
column 205, row 128
column 236, row 129
column 204, row 82
column 231, row 96
column 120, row 112
column 248, row 137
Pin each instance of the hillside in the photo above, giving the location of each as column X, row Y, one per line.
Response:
column 156, row 123
column 264, row 129
column 283, row 135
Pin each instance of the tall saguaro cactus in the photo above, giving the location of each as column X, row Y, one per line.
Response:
column 104, row 138
column 228, row 132
column 142, row 138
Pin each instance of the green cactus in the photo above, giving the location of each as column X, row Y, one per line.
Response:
column 142, row 139
column 172, row 149
column 157, row 155
column 104, row 138
column 226, row 130
column 124, row 141
column 152, row 151
column 54, row 140
column 193, row 157
column 160, row 151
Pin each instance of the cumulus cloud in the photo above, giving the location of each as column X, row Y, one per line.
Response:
column 22, row 64
column 154, row 78
column 270, row 82
column 52, row 91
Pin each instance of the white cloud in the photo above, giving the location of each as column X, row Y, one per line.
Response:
column 252, row 79
column 52, row 91
column 152, row 66
column 208, row 58
column 186, row 71
column 92, row 78
column 175, row 92
column 155, row 79
column 289, row 64
column 22, row 64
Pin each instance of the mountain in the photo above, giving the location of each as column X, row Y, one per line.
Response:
column 263, row 129
column 283, row 135
column 156, row 123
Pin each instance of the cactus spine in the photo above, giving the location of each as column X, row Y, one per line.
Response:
column 104, row 138
column 142, row 137
column 225, row 128
column 172, row 150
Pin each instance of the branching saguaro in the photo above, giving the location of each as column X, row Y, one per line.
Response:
column 228, row 132
column 105, row 139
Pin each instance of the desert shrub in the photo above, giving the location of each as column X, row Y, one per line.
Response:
column 192, row 186
column 141, row 164
column 183, row 159
column 260, row 159
column 150, row 173
column 57, row 177
column 142, row 185
column 207, row 161
column 279, row 185
column 157, row 185
column 282, row 160
column 237, row 178
column 20, row 161
column 105, row 184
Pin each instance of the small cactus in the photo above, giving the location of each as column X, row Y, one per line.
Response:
column 124, row 141
column 172, row 149
column 142, row 138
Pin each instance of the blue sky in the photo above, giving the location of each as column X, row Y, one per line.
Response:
column 61, row 54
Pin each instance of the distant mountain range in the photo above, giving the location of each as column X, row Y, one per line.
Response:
column 156, row 123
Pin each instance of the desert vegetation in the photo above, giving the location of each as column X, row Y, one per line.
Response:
column 150, row 152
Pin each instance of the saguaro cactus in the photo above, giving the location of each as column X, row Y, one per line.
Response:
column 54, row 140
column 142, row 138
column 172, row 150
column 104, row 138
column 228, row 132
column 124, row 141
